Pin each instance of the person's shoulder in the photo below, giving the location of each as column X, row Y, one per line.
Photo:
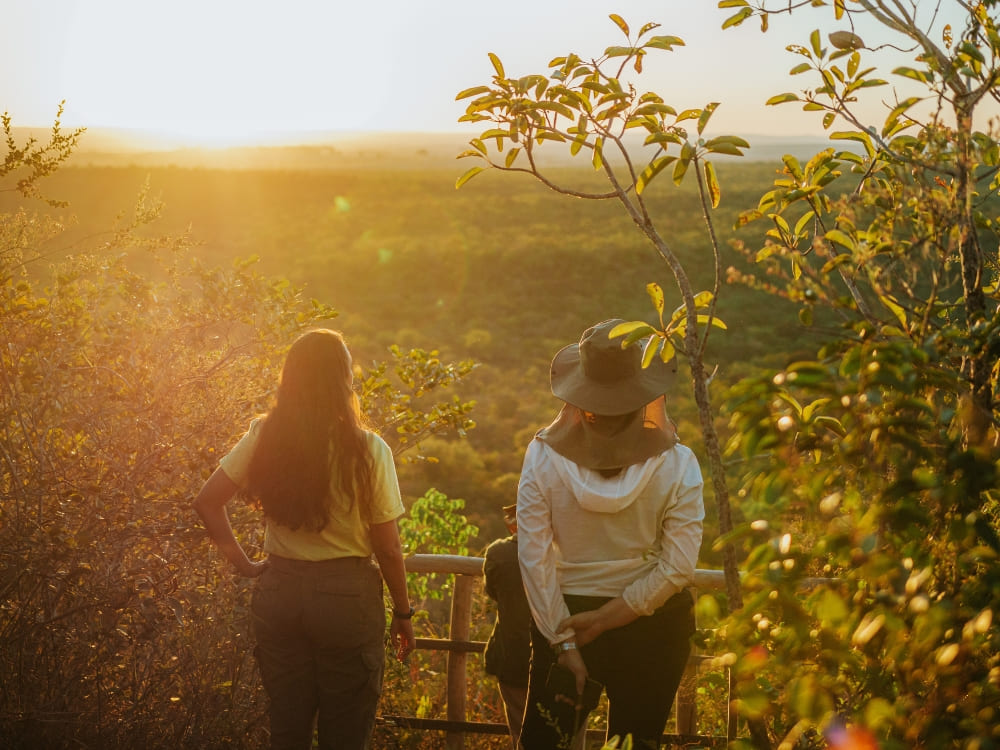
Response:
column 680, row 452
column 499, row 547
column 377, row 444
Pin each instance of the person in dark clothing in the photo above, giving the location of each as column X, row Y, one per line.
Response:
column 508, row 649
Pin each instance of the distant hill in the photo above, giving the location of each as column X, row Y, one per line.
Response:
column 365, row 150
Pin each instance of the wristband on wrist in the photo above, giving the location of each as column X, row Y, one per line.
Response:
column 562, row 648
column 403, row 615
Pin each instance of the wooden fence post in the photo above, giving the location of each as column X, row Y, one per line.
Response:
column 461, row 618
column 685, row 709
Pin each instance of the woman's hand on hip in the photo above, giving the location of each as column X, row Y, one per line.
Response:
column 252, row 569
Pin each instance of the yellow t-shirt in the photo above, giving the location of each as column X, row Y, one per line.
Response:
column 347, row 533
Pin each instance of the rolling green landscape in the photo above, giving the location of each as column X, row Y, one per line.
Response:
column 501, row 272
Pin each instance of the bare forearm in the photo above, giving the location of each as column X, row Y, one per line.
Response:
column 616, row 614
column 211, row 507
column 221, row 532
column 389, row 553
column 394, row 574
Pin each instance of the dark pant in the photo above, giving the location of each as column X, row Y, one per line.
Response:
column 640, row 666
column 320, row 628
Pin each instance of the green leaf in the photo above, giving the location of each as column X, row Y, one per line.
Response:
column 712, row 182
column 652, row 169
column 841, row 238
column 735, row 140
column 620, row 23
column 800, row 68
column 803, row 221
column 853, row 63
column 497, row 65
column 681, row 167
column 557, row 107
column 703, row 298
column 625, row 328
column 632, row 331
column 657, row 108
column 650, row 349
column 667, row 351
column 511, row 156
column 738, row 18
column 814, row 43
column 705, row 115
column 724, row 148
column 714, row 320
column 782, row 98
column 619, row 51
column 475, row 90
column 665, row 42
column 733, row 3
column 896, row 309
column 598, row 158
column 916, row 75
column 661, row 138
column 468, row 176
column 547, row 135
column 902, row 107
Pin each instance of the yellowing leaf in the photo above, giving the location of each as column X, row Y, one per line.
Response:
column 712, row 183
column 656, row 297
column 497, row 65
column 467, row 176
column 620, row 23
column 713, row 320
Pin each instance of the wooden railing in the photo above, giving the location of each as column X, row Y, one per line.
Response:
column 457, row 724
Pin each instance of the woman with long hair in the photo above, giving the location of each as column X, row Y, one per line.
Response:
column 330, row 499
column 609, row 514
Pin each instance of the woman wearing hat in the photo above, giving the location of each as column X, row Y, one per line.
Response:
column 610, row 515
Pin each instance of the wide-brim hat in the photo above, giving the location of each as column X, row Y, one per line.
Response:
column 599, row 376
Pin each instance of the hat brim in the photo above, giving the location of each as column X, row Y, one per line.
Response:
column 569, row 384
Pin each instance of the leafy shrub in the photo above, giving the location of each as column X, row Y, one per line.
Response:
column 118, row 390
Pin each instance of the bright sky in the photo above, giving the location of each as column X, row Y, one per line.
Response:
column 239, row 70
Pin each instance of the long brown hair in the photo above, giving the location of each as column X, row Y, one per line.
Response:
column 314, row 430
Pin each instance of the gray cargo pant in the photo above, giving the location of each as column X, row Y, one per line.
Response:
column 320, row 628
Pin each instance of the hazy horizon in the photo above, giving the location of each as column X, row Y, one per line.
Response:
column 234, row 73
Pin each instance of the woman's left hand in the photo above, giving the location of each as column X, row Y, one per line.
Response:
column 402, row 638
column 590, row 624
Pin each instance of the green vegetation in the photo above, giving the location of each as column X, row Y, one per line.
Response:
column 407, row 260
column 872, row 461
column 858, row 374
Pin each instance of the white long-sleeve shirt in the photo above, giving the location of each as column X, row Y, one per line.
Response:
column 634, row 535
